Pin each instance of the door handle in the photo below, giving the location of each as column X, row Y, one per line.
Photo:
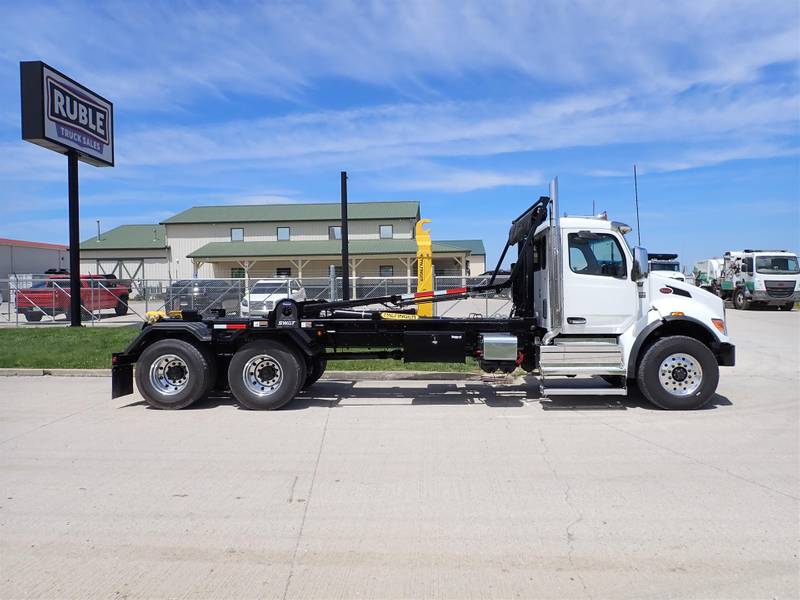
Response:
column 576, row 320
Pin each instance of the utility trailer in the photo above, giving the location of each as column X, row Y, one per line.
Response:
column 583, row 307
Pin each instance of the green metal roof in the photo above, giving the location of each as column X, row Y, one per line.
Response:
column 128, row 237
column 313, row 248
column 474, row 246
column 328, row 211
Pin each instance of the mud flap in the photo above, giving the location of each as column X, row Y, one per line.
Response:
column 121, row 380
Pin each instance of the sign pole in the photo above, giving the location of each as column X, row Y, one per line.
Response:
column 345, row 242
column 74, row 241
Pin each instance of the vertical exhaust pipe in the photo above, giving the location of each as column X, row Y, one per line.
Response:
column 555, row 290
column 345, row 242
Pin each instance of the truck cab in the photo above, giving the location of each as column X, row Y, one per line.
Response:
column 604, row 312
column 761, row 278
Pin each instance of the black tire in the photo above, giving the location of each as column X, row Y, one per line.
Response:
column 197, row 368
column 318, row 366
column 740, row 301
column 289, row 375
column 121, row 308
column 650, row 370
column 33, row 316
column 788, row 306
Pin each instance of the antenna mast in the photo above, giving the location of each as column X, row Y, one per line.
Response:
column 636, row 192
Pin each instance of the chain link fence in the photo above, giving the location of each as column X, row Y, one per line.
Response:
column 41, row 300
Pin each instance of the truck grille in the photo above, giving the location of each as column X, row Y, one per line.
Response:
column 780, row 289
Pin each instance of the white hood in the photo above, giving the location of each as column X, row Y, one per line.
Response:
column 669, row 296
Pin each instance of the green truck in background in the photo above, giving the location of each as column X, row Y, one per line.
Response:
column 751, row 278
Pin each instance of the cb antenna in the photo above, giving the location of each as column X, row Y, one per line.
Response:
column 636, row 192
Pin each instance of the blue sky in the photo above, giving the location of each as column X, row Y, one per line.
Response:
column 468, row 107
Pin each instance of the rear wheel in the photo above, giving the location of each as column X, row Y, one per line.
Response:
column 788, row 306
column 678, row 373
column 315, row 372
column 172, row 374
column 33, row 316
column 265, row 375
column 740, row 301
column 122, row 306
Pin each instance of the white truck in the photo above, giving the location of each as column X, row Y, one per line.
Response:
column 666, row 265
column 707, row 274
column 752, row 278
column 584, row 307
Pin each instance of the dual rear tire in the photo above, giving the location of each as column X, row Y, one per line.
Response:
column 265, row 375
column 172, row 374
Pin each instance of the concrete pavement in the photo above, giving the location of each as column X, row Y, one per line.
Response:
column 408, row 489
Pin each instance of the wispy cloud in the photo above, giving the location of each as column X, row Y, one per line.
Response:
column 251, row 102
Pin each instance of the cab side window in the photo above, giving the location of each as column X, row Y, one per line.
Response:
column 596, row 254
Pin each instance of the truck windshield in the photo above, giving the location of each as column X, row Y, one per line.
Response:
column 781, row 265
column 270, row 288
column 664, row 266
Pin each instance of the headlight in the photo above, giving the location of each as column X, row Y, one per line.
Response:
column 244, row 301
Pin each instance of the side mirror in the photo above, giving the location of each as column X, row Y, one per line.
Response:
column 641, row 263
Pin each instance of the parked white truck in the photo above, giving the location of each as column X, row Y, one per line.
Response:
column 666, row 265
column 752, row 278
column 584, row 307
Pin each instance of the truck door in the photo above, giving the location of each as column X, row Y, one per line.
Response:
column 599, row 295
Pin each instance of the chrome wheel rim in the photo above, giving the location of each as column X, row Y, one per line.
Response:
column 262, row 375
column 680, row 374
column 169, row 374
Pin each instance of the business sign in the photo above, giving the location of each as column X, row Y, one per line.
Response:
column 62, row 115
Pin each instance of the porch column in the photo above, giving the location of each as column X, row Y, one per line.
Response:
column 408, row 262
column 354, row 263
column 299, row 264
column 462, row 262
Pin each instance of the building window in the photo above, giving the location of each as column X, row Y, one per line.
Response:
column 283, row 271
column 386, row 271
column 237, row 234
column 335, row 232
column 237, row 273
column 386, row 232
column 337, row 271
column 284, row 234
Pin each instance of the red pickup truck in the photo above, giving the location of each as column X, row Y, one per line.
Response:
column 51, row 296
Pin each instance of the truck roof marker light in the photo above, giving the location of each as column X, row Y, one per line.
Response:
column 677, row 313
column 720, row 325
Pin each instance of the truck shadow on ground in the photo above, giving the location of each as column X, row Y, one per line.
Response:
column 352, row 394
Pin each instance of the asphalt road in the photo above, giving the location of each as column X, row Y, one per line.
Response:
column 408, row 489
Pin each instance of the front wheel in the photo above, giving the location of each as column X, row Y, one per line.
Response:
column 265, row 375
column 740, row 301
column 788, row 306
column 678, row 373
column 172, row 374
column 33, row 316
